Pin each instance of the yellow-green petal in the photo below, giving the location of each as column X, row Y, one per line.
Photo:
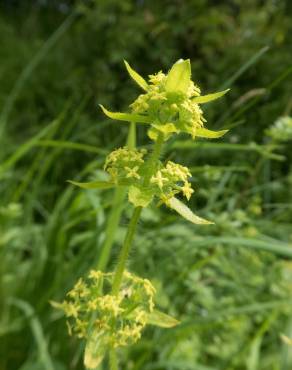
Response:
column 136, row 77
column 179, row 77
column 207, row 98
column 128, row 117
column 209, row 134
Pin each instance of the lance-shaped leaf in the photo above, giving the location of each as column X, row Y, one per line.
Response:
column 93, row 184
column 203, row 132
column 95, row 350
column 59, row 306
column 161, row 319
column 207, row 98
column 128, row 117
column 136, row 77
column 179, row 77
column 186, row 213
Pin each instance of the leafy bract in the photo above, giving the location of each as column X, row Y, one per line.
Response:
column 138, row 197
column 179, row 77
column 93, row 184
column 209, row 134
column 158, row 318
column 136, row 77
column 186, row 213
column 128, row 117
column 207, row 98
column 95, row 350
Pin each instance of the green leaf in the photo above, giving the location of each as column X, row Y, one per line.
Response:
column 161, row 319
column 136, row 77
column 57, row 305
column 179, row 77
column 95, row 350
column 129, row 117
column 207, row 98
column 186, row 213
column 167, row 128
column 203, row 132
column 138, row 197
column 93, row 184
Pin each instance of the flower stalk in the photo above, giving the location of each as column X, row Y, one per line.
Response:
column 122, row 260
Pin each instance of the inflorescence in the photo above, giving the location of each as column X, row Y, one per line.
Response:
column 110, row 310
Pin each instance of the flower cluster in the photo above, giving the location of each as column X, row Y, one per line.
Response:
column 170, row 104
column 105, row 319
column 172, row 179
column 124, row 165
column 281, row 129
column 169, row 111
column 127, row 167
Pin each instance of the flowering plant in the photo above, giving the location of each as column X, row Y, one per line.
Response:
column 110, row 310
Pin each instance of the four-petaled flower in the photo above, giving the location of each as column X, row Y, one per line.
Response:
column 132, row 172
column 187, row 190
column 158, row 179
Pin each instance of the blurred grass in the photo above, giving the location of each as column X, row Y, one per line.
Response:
column 230, row 284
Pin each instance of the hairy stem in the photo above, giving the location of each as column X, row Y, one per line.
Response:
column 125, row 249
column 113, row 360
column 111, row 227
column 151, row 165
column 122, row 260
column 116, row 211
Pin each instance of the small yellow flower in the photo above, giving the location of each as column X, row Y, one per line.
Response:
column 187, row 190
column 71, row 309
column 92, row 305
column 159, row 179
column 95, row 275
column 132, row 172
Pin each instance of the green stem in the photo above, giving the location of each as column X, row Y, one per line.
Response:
column 153, row 159
column 122, row 260
column 125, row 249
column 115, row 212
column 111, row 227
column 113, row 360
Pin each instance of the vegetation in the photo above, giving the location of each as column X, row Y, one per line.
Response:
column 229, row 284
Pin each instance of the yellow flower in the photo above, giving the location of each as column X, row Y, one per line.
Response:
column 158, row 179
column 71, row 309
column 95, row 274
column 132, row 172
column 187, row 190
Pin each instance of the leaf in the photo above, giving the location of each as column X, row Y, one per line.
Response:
column 161, row 319
column 136, row 77
column 186, row 213
column 179, row 76
column 93, row 184
column 94, row 351
column 129, row 117
column 138, row 197
column 207, row 98
column 203, row 132
column 59, row 306
column 167, row 128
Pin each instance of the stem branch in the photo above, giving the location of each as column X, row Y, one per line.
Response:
column 122, row 260
column 113, row 360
